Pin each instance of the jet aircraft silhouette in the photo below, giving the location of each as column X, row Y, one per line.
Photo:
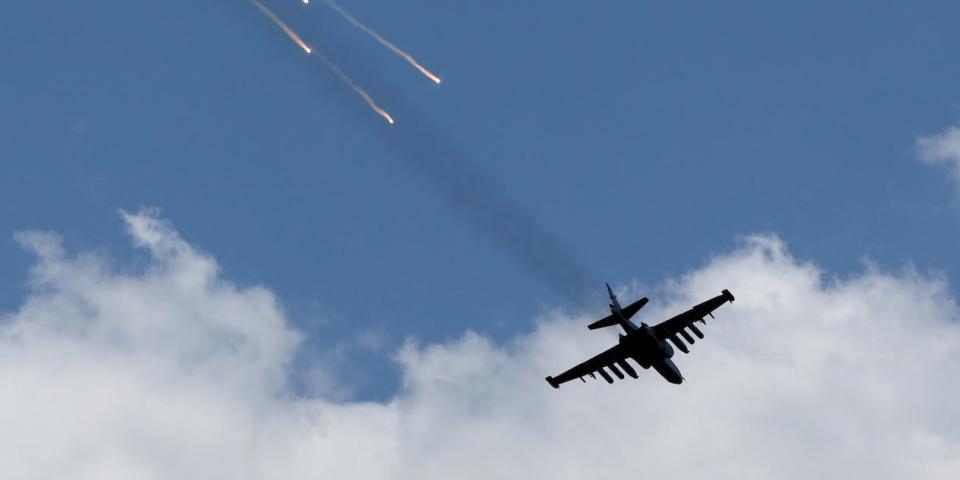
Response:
column 646, row 345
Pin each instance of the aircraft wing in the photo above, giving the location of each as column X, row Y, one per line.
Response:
column 615, row 355
column 669, row 329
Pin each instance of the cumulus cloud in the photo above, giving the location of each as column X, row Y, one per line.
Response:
column 942, row 149
column 173, row 372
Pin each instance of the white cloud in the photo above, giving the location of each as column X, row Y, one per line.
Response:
column 942, row 149
column 175, row 373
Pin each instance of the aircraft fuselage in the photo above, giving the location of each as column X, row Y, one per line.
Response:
column 649, row 346
column 648, row 350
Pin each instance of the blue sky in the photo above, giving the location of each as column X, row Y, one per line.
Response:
column 644, row 136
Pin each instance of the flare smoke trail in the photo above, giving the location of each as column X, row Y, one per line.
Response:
column 478, row 197
column 290, row 33
column 393, row 48
column 356, row 88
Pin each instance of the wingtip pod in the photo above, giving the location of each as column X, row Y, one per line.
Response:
column 553, row 383
column 729, row 296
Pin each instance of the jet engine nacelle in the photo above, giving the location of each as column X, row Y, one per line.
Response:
column 665, row 348
column 645, row 364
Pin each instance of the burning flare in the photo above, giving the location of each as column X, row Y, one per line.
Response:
column 290, row 33
column 356, row 88
column 393, row 48
column 326, row 61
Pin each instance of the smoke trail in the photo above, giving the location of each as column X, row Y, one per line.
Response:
column 290, row 33
column 393, row 48
column 483, row 201
column 356, row 88
column 477, row 197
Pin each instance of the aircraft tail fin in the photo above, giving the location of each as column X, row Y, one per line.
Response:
column 614, row 303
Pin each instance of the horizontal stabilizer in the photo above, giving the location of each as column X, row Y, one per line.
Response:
column 608, row 321
column 613, row 319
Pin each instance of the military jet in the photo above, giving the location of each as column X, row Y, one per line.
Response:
column 646, row 345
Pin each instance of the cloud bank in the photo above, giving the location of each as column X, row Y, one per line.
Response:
column 171, row 371
column 942, row 149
